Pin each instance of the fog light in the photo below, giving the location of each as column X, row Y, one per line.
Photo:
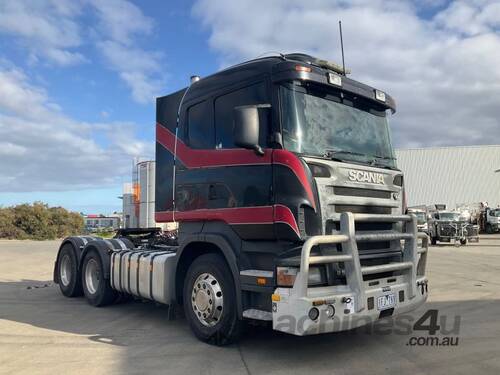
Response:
column 330, row 311
column 313, row 313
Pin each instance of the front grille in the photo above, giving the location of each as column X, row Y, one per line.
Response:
column 362, row 209
column 356, row 192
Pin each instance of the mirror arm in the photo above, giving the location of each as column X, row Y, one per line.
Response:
column 258, row 150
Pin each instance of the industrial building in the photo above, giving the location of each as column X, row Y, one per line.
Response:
column 453, row 176
column 94, row 222
column 139, row 197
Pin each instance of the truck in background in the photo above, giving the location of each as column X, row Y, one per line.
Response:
column 490, row 220
column 448, row 226
column 422, row 218
column 281, row 176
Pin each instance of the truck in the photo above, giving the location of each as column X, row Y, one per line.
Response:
column 422, row 219
column 281, row 177
column 489, row 220
column 448, row 226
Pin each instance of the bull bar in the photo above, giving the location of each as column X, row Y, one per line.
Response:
column 291, row 305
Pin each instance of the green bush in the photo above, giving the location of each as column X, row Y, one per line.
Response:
column 38, row 221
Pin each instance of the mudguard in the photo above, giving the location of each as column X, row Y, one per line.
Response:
column 77, row 243
column 227, row 252
column 104, row 248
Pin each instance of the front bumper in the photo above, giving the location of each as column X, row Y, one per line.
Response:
column 354, row 304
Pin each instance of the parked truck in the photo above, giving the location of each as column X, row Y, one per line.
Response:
column 422, row 219
column 290, row 207
column 448, row 226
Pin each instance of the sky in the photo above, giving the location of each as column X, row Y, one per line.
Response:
column 78, row 78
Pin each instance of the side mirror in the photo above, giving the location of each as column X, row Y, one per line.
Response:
column 246, row 126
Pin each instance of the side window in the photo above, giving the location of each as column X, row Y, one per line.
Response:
column 200, row 130
column 224, row 106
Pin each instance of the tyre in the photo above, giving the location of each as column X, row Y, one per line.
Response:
column 463, row 241
column 489, row 229
column 67, row 272
column 209, row 300
column 96, row 288
column 433, row 240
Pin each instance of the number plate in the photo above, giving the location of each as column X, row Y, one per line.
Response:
column 386, row 301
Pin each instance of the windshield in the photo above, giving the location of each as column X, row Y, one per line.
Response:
column 421, row 217
column 495, row 213
column 334, row 124
column 449, row 216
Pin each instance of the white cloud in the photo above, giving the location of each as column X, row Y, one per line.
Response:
column 43, row 149
column 138, row 68
column 122, row 20
column 56, row 31
column 443, row 71
column 121, row 23
column 48, row 28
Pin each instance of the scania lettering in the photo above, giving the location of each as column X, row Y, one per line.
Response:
column 363, row 176
column 281, row 176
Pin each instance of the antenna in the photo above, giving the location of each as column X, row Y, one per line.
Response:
column 342, row 46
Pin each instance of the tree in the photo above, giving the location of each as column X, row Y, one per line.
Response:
column 38, row 221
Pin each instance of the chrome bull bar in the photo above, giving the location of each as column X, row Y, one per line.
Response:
column 413, row 261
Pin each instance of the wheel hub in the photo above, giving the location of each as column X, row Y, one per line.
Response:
column 207, row 299
column 65, row 270
column 92, row 276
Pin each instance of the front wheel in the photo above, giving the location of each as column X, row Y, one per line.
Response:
column 433, row 240
column 489, row 229
column 96, row 288
column 209, row 300
column 463, row 241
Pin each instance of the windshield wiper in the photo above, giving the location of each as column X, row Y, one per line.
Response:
column 384, row 157
column 332, row 152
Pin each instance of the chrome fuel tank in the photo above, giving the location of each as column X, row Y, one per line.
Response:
column 145, row 274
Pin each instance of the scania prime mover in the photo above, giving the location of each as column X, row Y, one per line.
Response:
column 290, row 208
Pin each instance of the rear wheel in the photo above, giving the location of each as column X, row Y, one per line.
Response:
column 463, row 241
column 209, row 300
column 67, row 272
column 433, row 240
column 96, row 288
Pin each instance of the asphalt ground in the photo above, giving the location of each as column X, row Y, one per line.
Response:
column 42, row 332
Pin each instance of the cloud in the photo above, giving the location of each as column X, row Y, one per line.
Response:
column 42, row 149
column 122, row 20
column 442, row 68
column 48, row 28
column 138, row 68
column 58, row 31
column 122, row 23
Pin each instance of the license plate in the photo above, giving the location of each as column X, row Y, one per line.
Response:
column 386, row 301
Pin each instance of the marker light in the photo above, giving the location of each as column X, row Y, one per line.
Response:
column 334, row 79
column 380, row 95
column 302, row 68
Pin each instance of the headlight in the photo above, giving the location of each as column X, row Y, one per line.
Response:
column 317, row 276
column 285, row 276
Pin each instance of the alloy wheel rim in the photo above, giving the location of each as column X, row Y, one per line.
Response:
column 65, row 270
column 207, row 300
column 92, row 276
